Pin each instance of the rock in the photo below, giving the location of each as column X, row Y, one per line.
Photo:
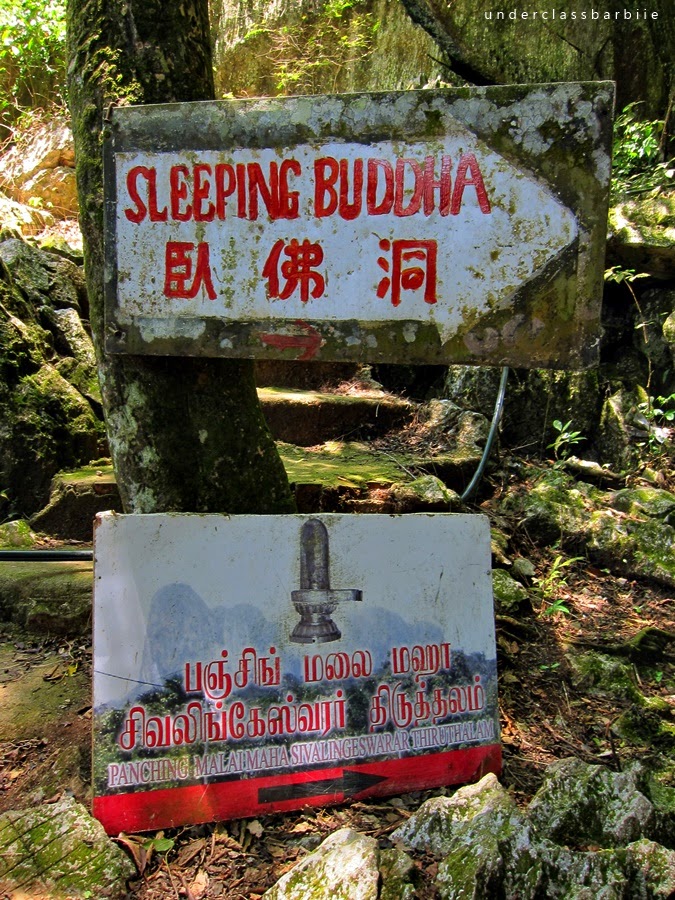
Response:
column 16, row 535
column 18, row 218
column 50, row 407
column 59, row 851
column 586, row 834
column 44, row 278
column 652, row 868
column 580, row 804
column 622, row 428
column 523, row 569
column 431, row 828
column 642, row 234
column 47, row 597
column 669, row 335
column 646, row 501
column 345, row 865
column 426, row 493
column 509, row 594
column 397, row 871
column 599, row 674
column 585, row 519
column 42, row 170
column 75, row 499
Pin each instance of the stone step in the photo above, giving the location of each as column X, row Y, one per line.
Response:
column 307, row 418
column 336, row 476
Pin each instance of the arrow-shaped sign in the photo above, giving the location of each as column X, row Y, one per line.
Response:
column 309, row 342
column 348, row 784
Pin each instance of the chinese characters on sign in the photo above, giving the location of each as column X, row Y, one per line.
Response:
column 220, row 693
column 399, row 227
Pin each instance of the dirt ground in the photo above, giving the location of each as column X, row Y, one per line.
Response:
column 545, row 715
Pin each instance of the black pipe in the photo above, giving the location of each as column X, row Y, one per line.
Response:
column 46, row 555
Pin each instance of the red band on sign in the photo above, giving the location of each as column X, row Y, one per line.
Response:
column 229, row 799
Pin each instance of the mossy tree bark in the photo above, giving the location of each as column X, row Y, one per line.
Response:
column 185, row 434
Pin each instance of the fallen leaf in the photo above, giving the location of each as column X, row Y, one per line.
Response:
column 255, row 828
column 199, row 885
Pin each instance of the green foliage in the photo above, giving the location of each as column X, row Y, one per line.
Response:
column 619, row 275
column 309, row 55
column 552, row 582
column 32, row 57
column 639, row 164
column 565, row 439
column 660, row 415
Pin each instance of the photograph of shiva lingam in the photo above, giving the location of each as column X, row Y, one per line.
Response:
column 316, row 600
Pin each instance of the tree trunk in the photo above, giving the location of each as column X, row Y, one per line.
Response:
column 185, row 434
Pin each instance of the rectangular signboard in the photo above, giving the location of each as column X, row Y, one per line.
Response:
column 431, row 226
column 260, row 663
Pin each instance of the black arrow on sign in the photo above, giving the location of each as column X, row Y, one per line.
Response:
column 348, row 784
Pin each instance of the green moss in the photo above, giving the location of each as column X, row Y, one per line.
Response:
column 601, row 674
column 646, row 726
column 509, row 594
column 341, row 464
column 16, row 535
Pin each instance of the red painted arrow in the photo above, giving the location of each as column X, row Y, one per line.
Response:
column 309, row 343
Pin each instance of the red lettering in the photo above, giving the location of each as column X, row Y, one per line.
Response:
column 350, row 211
column 178, row 271
column 288, row 207
column 326, row 172
column 241, row 190
column 139, row 213
column 468, row 162
column 203, row 273
column 179, row 192
column 444, row 185
column 224, row 171
column 268, row 192
column 375, row 166
column 201, row 192
column 418, row 189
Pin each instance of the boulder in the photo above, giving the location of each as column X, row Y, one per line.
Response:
column 587, row 833
column 639, row 544
column 642, row 234
column 58, row 851
column 40, row 169
column 50, row 405
column 509, row 594
column 346, row 864
column 580, row 805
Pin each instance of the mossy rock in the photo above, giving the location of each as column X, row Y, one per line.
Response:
column 59, row 850
column 344, row 867
column 509, row 594
column 308, row 418
column 580, row 804
column 599, row 674
column 16, row 535
column 642, row 234
column 646, row 501
column 647, row 726
column 623, row 428
column 53, row 597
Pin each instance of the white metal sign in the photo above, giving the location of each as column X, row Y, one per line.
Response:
column 260, row 663
column 424, row 226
